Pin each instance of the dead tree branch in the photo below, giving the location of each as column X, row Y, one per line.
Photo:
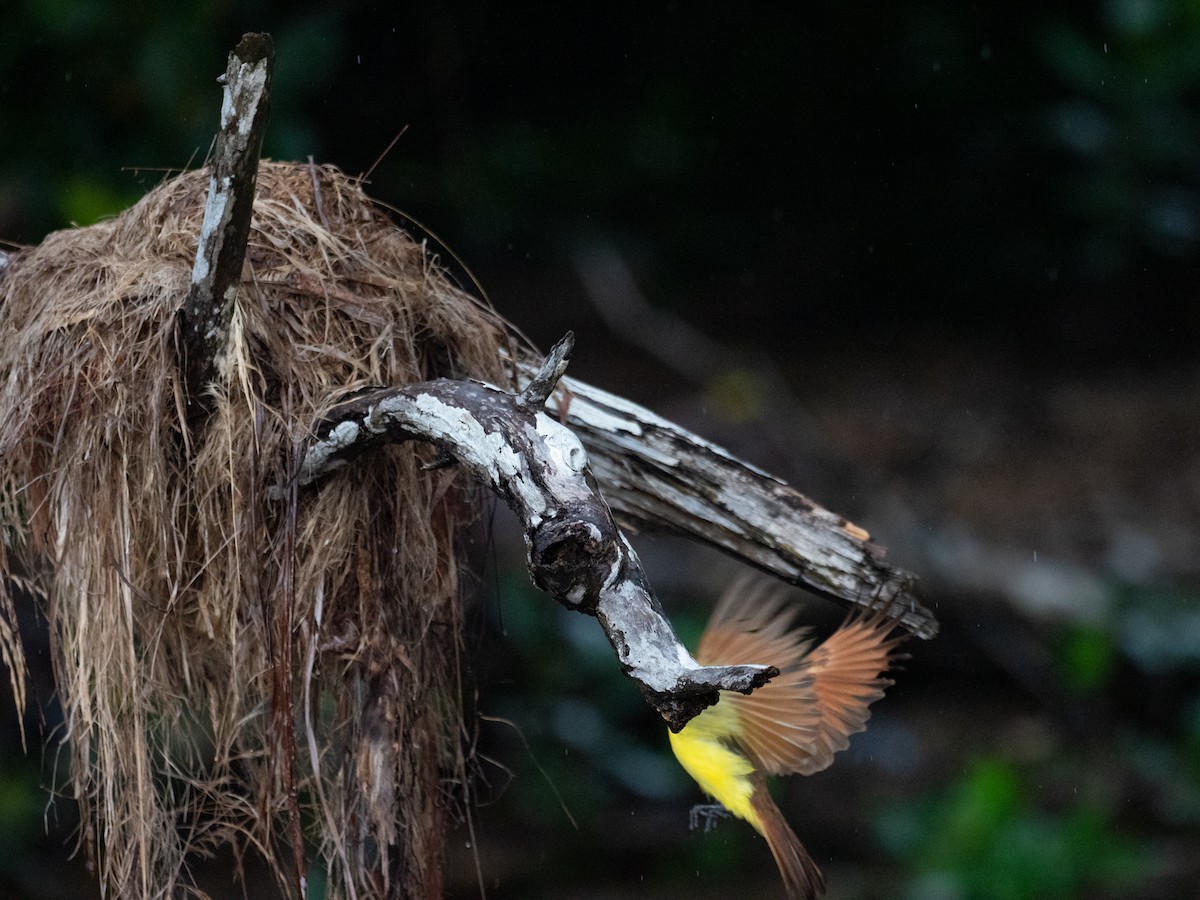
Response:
column 658, row 475
column 576, row 552
column 206, row 312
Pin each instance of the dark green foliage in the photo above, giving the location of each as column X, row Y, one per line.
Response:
column 997, row 833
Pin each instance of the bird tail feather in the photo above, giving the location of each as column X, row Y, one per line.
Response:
column 801, row 876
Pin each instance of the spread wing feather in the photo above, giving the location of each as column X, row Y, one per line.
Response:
column 798, row 721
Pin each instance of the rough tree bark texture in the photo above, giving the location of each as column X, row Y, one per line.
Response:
column 204, row 318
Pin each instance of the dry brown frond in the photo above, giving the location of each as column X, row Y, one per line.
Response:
column 219, row 653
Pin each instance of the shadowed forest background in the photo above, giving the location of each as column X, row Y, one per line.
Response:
column 933, row 264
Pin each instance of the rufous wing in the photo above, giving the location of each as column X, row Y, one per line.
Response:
column 802, row 717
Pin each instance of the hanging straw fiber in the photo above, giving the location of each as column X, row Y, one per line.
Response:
column 224, row 659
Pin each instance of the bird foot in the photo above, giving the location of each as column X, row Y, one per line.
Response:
column 709, row 812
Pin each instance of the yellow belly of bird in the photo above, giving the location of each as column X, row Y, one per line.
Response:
column 703, row 749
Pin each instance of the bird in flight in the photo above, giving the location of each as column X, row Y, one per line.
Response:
column 793, row 724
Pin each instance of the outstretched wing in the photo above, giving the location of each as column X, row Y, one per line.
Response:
column 805, row 715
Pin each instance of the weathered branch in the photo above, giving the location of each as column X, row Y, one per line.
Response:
column 576, row 552
column 655, row 474
column 206, row 312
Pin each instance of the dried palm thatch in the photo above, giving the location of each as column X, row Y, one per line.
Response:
column 232, row 668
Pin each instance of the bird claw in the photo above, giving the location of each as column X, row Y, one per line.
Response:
column 709, row 812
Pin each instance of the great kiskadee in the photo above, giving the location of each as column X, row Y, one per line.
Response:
column 795, row 723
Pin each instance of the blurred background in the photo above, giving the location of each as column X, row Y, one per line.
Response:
column 933, row 263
